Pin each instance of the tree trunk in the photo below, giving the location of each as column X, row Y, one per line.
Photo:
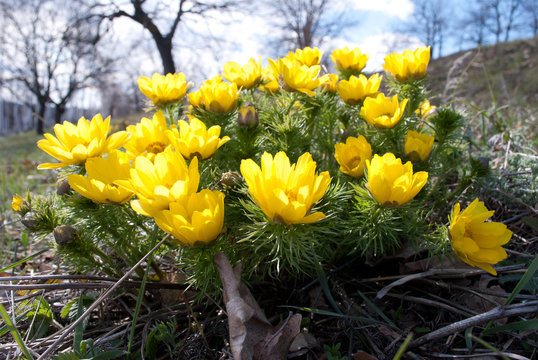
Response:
column 164, row 45
column 42, row 107
column 60, row 110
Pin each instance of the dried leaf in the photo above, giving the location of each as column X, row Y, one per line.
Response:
column 361, row 355
column 251, row 334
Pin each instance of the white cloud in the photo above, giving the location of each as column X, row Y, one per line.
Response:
column 397, row 8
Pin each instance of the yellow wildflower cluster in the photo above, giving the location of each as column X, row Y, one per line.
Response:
column 280, row 123
column 152, row 169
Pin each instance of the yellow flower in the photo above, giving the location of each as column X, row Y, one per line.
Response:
column 285, row 192
column 162, row 89
column 352, row 155
column 382, row 112
column 219, row 97
column 148, row 137
column 349, row 60
column 74, row 144
column 307, row 56
column 245, row 77
column 392, row 183
column 195, row 140
column 418, row 146
column 158, row 183
column 409, row 65
column 331, row 84
column 195, row 98
column 16, row 202
column 475, row 241
column 357, row 88
column 425, row 109
column 196, row 220
column 102, row 173
column 297, row 77
column 269, row 82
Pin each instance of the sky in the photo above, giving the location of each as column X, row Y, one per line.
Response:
column 245, row 34
column 372, row 32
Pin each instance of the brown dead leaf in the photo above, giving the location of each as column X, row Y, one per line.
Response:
column 361, row 355
column 431, row 263
column 251, row 334
column 171, row 297
column 481, row 303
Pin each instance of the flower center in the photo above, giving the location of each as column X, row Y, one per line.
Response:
column 155, row 147
column 355, row 161
column 292, row 196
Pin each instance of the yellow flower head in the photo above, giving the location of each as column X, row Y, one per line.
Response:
column 392, row 183
column 245, row 77
column 99, row 185
column 425, row 109
column 195, row 140
column 162, row 89
column 17, row 202
column 158, row 183
column 352, row 61
column 269, row 81
column 331, row 84
column 196, row 220
column 382, row 112
column 148, row 137
column 418, row 146
column 307, row 56
column 285, row 192
column 352, row 155
column 357, row 88
column 218, row 96
column 195, row 98
column 296, row 76
column 475, row 241
column 409, row 65
column 74, row 144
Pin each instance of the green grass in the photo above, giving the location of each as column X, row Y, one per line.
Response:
column 18, row 175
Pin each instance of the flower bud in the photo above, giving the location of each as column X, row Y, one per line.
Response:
column 230, row 179
column 64, row 234
column 62, row 187
column 248, row 116
column 29, row 220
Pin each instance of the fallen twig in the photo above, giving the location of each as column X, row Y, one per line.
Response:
column 98, row 301
column 497, row 313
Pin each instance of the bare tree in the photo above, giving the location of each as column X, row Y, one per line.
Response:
column 473, row 24
column 46, row 55
column 530, row 12
column 160, row 19
column 306, row 22
column 83, row 64
column 30, row 56
column 430, row 23
column 497, row 17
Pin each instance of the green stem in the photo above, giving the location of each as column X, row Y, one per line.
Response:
column 142, row 290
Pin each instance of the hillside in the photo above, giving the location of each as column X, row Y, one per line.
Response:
column 511, row 68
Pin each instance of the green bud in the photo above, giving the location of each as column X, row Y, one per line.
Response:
column 62, row 187
column 248, row 116
column 230, row 179
column 64, row 234
column 29, row 220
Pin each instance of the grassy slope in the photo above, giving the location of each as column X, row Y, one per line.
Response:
column 512, row 70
